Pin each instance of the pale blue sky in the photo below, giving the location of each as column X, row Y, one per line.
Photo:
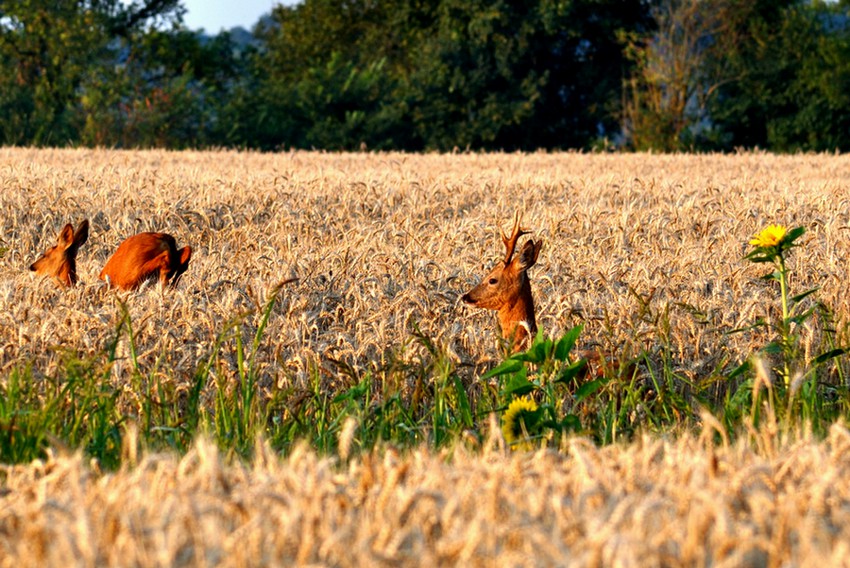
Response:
column 215, row 15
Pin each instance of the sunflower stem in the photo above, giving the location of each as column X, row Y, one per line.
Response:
column 786, row 331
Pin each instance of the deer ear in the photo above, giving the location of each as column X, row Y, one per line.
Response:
column 528, row 255
column 185, row 255
column 66, row 236
column 82, row 233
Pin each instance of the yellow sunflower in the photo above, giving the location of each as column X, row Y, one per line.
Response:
column 517, row 421
column 771, row 236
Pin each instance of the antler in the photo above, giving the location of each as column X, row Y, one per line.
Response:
column 510, row 242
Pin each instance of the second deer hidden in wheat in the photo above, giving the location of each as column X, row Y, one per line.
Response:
column 139, row 258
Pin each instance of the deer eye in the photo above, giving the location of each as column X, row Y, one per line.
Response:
column 493, row 281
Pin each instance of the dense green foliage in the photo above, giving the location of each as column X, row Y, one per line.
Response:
column 431, row 74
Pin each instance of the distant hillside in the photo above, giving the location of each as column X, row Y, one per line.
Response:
column 240, row 36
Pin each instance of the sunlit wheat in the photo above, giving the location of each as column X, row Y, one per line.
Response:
column 645, row 251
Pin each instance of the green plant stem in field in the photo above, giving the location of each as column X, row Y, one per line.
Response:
column 786, row 324
column 783, row 288
column 800, row 398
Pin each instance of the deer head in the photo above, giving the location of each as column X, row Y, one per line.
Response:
column 507, row 289
column 60, row 261
column 144, row 256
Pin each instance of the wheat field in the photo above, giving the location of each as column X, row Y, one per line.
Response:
column 379, row 240
column 645, row 251
column 652, row 503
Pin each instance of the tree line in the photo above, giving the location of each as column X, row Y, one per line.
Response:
column 664, row 75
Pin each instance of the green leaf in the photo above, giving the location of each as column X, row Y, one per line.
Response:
column 539, row 350
column 760, row 255
column 571, row 423
column 540, row 336
column 772, row 276
column 742, row 396
column 519, row 384
column 800, row 318
column 463, row 402
column 353, row 393
column 510, row 365
column 739, row 370
column 571, row 371
column 772, row 348
column 805, row 294
column 534, row 419
column 525, row 357
column 566, row 343
column 588, row 389
column 828, row 355
column 792, row 236
column 760, row 322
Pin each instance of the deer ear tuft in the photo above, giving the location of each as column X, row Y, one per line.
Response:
column 528, row 255
column 82, row 234
column 66, row 236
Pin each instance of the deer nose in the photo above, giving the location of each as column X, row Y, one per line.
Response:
column 466, row 299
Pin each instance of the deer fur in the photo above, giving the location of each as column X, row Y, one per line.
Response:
column 507, row 289
column 60, row 261
column 145, row 256
column 138, row 258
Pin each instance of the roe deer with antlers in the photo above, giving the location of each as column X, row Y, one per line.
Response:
column 507, row 289
column 60, row 261
column 145, row 256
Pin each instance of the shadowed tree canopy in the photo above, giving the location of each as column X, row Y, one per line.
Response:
column 725, row 74
column 521, row 75
column 48, row 47
column 662, row 75
column 793, row 87
column 419, row 74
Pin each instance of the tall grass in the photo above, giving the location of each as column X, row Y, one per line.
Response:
column 403, row 402
column 673, row 500
column 371, row 344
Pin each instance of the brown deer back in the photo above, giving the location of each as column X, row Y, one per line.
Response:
column 144, row 256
